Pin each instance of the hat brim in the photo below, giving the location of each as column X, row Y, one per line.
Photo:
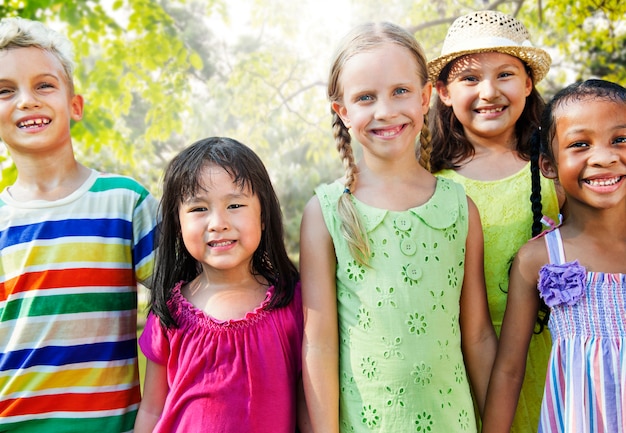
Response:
column 538, row 60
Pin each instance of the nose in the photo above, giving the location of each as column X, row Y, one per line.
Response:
column 28, row 100
column 218, row 221
column 603, row 156
column 385, row 109
column 488, row 90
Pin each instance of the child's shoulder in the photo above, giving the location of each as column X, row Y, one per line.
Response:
column 113, row 181
column 533, row 255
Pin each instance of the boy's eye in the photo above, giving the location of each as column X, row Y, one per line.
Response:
column 46, row 86
column 620, row 140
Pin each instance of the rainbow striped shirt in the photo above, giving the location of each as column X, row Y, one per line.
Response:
column 68, row 307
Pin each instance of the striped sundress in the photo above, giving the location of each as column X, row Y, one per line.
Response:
column 585, row 387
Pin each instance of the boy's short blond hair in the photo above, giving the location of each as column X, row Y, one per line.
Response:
column 18, row 32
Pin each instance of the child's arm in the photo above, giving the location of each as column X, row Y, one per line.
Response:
column 517, row 328
column 478, row 338
column 320, row 352
column 154, row 392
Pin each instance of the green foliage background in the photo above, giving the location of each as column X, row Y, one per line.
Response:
column 159, row 74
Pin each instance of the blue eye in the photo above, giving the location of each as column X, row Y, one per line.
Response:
column 364, row 98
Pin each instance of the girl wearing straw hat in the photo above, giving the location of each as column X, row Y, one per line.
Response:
column 485, row 113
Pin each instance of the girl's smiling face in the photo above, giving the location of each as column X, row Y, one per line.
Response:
column 487, row 92
column 221, row 224
column 589, row 150
column 384, row 101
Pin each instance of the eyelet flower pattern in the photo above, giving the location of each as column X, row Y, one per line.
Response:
column 401, row 366
column 424, row 422
column 562, row 283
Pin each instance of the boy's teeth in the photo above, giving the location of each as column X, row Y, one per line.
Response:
column 33, row 122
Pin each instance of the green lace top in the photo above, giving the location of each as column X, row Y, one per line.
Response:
column 507, row 218
column 400, row 362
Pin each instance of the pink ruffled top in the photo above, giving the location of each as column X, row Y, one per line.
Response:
column 228, row 376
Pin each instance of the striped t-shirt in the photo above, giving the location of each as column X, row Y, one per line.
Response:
column 68, row 306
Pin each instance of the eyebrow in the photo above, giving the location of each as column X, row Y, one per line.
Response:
column 198, row 197
column 41, row 76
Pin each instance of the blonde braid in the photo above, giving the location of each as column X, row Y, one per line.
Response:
column 426, row 147
column 351, row 225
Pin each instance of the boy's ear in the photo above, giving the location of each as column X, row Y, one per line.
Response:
column 547, row 167
column 342, row 112
column 442, row 92
column 76, row 107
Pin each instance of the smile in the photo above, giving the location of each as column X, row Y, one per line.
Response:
column 603, row 182
column 489, row 111
column 221, row 243
column 388, row 132
column 33, row 123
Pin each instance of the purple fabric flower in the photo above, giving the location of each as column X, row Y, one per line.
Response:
column 562, row 284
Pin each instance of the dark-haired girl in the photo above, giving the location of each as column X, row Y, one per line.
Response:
column 224, row 333
column 485, row 114
column 578, row 270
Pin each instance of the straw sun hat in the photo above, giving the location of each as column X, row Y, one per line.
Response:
column 488, row 31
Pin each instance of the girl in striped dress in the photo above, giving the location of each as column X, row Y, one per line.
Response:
column 579, row 271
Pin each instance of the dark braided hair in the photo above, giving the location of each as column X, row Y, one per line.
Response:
column 537, row 208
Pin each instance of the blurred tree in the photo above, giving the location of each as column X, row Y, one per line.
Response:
column 160, row 74
column 590, row 36
column 133, row 60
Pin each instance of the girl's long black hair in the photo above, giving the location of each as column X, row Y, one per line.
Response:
column 182, row 179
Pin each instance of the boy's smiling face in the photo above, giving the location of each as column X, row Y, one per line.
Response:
column 36, row 102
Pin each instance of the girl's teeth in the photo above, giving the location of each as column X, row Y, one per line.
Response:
column 603, row 182
column 388, row 132
column 494, row 110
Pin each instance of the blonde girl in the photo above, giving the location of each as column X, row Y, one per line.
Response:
column 396, row 316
